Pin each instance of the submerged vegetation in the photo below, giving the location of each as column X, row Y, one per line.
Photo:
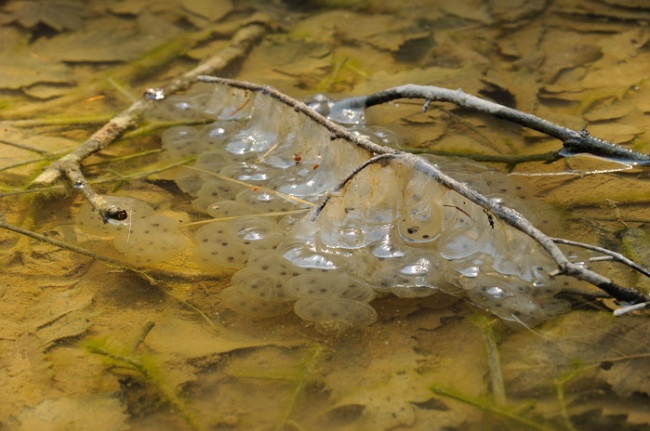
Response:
column 72, row 305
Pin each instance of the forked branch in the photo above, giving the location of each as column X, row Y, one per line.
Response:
column 574, row 142
column 508, row 215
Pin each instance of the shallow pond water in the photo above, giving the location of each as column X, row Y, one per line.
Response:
column 91, row 343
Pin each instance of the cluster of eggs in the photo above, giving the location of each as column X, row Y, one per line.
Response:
column 261, row 170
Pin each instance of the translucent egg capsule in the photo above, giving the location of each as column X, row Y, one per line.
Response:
column 274, row 266
column 511, row 298
column 263, row 201
column 309, row 255
column 390, row 246
column 260, row 285
column 181, row 141
column 150, row 240
column 465, row 240
column 212, row 135
column 182, row 107
column 353, row 232
column 347, row 113
column 415, row 274
column 212, row 161
column 467, row 229
column 364, row 212
column 313, row 179
column 229, row 244
column 237, row 301
column 257, row 233
column 420, row 212
column 215, row 191
column 225, row 209
column 189, row 182
column 523, row 258
column 330, row 285
column 249, row 172
column 262, row 131
column 228, row 104
column 217, row 248
column 302, row 144
column 338, row 313
column 303, row 181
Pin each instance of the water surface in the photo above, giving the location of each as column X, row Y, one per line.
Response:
column 90, row 345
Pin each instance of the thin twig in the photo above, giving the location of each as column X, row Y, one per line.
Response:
column 82, row 121
column 574, row 141
column 25, row 147
column 614, row 255
column 347, row 179
column 630, row 308
column 133, row 176
column 142, row 335
column 285, row 196
column 151, row 276
column 239, row 217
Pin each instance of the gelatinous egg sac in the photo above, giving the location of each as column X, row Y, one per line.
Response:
column 143, row 238
column 260, row 170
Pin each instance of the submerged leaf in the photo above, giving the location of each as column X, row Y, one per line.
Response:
column 387, row 406
column 574, row 344
column 22, row 69
column 103, row 412
column 95, row 46
column 213, row 10
column 46, row 91
column 54, row 307
column 58, row 14
column 617, row 133
column 624, row 74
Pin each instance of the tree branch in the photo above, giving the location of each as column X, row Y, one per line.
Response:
column 508, row 215
column 574, row 142
column 609, row 253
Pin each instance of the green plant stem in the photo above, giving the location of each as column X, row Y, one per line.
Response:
column 494, row 409
column 313, row 354
column 150, row 373
column 560, row 393
column 510, row 161
column 494, row 362
column 143, row 334
column 25, row 163
column 78, row 120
